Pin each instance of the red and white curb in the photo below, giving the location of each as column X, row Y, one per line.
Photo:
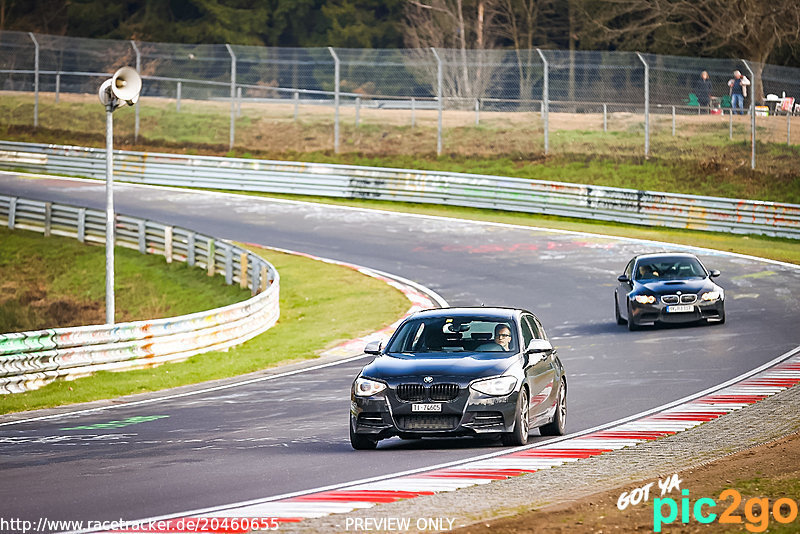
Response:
column 778, row 375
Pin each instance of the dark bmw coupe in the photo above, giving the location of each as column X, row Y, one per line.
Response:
column 460, row 372
column 667, row 288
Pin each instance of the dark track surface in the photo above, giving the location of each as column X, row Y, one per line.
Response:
column 290, row 434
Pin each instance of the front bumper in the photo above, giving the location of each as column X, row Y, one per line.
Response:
column 468, row 414
column 657, row 312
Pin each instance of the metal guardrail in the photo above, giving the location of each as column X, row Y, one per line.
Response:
column 646, row 208
column 29, row 360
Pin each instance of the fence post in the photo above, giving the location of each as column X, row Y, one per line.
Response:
column 142, row 237
column 238, row 101
column 439, row 100
column 335, row 99
column 233, row 95
column 673, row 121
column 477, row 111
column 546, row 102
column 358, row 109
column 730, row 123
column 296, row 99
column 605, row 117
column 752, row 116
column 789, row 127
column 413, row 112
column 646, row 105
column 136, row 105
column 178, row 97
column 35, row 80
column 58, row 85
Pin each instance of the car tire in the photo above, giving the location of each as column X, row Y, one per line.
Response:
column 558, row 424
column 360, row 442
column 632, row 326
column 519, row 436
column 620, row 320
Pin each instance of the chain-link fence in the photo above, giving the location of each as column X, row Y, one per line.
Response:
column 652, row 102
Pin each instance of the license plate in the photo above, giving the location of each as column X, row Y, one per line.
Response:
column 680, row 308
column 435, row 407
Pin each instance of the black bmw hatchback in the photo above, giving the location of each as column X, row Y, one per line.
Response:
column 460, row 372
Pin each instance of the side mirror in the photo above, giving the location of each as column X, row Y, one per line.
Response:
column 623, row 278
column 713, row 273
column 538, row 345
column 373, row 347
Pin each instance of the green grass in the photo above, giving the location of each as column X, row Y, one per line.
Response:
column 57, row 281
column 321, row 304
column 700, row 160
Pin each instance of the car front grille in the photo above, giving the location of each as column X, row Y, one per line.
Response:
column 443, row 392
column 411, row 392
column 487, row 419
column 428, row 422
column 670, row 299
column 418, row 392
column 688, row 299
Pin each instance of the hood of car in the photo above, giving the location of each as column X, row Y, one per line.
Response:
column 396, row 366
column 669, row 287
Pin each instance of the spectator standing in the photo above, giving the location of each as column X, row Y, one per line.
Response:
column 703, row 90
column 737, row 88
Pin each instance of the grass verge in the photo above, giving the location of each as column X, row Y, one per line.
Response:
column 50, row 282
column 321, row 305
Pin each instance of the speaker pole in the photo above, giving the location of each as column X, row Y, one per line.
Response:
column 110, row 218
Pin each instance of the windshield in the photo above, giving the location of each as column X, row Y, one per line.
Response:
column 670, row 268
column 454, row 335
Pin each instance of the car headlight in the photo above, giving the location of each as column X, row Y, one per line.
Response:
column 364, row 387
column 644, row 299
column 502, row 385
column 711, row 296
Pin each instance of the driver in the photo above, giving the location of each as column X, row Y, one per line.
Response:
column 502, row 336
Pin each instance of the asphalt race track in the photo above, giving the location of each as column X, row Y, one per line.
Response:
column 290, row 434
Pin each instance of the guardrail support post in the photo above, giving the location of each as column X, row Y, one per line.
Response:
column 263, row 280
column 358, row 110
column 178, row 98
column 82, row 225
column 35, row 80
column 752, row 116
column 477, row 112
column 190, row 257
column 605, row 117
column 256, row 282
column 48, row 218
column 136, row 105
column 413, row 112
column 168, row 244
column 142, row 237
column 646, row 105
column 12, row 213
column 58, row 85
column 243, row 268
column 439, row 77
column 546, row 102
column 211, row 260
column 335, row 99
column 296, row 99
column 233, row 95
column 228, row 266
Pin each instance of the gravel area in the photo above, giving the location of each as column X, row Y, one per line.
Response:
column 759, row 423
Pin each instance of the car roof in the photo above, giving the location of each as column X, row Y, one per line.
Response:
column 656, row 255
column 471, row 311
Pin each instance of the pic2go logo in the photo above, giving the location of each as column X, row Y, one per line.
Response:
column 756, row 511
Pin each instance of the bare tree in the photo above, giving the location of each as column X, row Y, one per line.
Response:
column 748, row 29
column 457, row 27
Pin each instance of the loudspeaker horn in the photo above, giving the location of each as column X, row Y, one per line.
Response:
column 126, row 85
